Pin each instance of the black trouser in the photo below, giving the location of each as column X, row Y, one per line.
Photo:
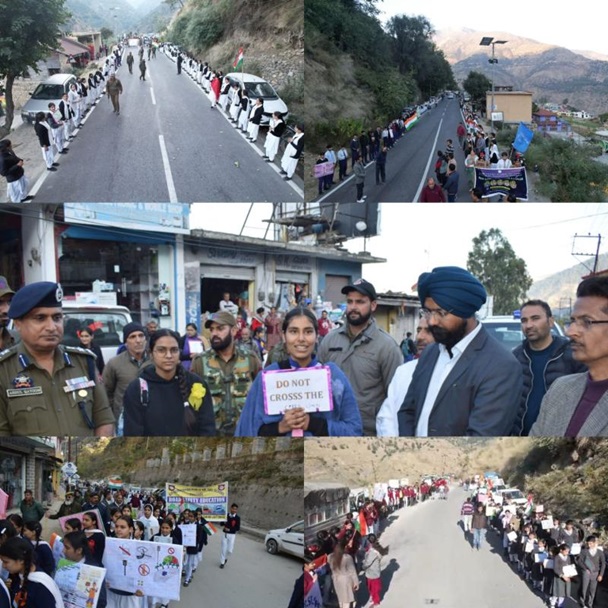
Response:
column 380, row 173
column 359, row 191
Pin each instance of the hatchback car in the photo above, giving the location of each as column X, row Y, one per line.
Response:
column 286, row 540
column 48, row 91
column 258, row 88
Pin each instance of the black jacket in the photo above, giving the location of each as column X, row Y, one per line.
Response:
column 164, row 414
column 43, row 134
column 9, row 166
column 257, row 115
column 560, row 364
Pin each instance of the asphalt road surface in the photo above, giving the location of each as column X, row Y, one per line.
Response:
column 167, row 145
column 410, row 162
column 430, row 563
column 252, row 577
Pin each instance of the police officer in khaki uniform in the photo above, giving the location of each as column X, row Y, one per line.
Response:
column 47, row 388
column 228, row 369
column 7, row 337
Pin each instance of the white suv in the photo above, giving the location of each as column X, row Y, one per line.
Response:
column 507, row 330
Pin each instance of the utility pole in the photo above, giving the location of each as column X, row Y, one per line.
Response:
column 587, row 254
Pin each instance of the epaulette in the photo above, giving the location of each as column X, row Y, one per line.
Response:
column 7, row 353
column 78, row 350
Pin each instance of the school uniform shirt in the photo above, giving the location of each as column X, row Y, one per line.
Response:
column 97, row 543
column 41, row 591
column 151, row 526
column 233, row 523
column 44, row 557
column 42, row 131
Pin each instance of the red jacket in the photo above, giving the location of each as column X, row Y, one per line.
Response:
column 432, row 195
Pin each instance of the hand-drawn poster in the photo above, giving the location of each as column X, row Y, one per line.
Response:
column 79, row 583
column 154, row 568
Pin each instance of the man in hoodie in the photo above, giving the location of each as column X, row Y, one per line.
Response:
column 544, row 358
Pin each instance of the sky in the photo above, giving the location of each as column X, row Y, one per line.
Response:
column 575, row 27
column 416, row 238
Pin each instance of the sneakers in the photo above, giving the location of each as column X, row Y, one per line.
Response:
column 186, row 583
column 221, row 566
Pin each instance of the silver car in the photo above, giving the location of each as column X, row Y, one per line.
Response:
column 257, row 87
column 286, row 540
column 48, row 91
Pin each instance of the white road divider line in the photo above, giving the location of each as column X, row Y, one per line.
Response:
column 153, row 98
column 167, row 167
column 428, row 165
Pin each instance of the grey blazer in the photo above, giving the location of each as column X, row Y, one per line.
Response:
column 479, row 397
column 558, row 406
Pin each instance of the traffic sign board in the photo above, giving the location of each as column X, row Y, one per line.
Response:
column 69, row 469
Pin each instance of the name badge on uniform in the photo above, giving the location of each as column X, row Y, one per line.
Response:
column 23, row 387
column 76, row 384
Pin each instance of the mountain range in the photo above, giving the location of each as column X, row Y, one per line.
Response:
column 552, row 73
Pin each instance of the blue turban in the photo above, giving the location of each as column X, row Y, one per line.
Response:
column 455, row 289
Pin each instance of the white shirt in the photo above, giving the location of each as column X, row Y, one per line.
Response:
column 504, row 163
column 151, row 526
column 387, row 424
column 229, row 306
column 443, row 367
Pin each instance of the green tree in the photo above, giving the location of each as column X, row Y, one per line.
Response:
column 106, row 33
column 503, row 274
column 477, row 85
column 29, row 31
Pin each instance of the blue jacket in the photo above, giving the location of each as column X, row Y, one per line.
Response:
column 344, row 420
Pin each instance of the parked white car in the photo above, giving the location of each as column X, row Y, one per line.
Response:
column 286, row 540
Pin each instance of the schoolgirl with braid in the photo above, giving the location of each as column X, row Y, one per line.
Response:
column 166, row 399
column 32, row 530
column 95, row 536
column 29, row 587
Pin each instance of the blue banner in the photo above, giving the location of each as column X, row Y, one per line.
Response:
column 502, row 182
column 523, row 138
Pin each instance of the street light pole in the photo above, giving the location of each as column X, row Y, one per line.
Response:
column 487, row 41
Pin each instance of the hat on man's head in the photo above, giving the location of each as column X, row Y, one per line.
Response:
column 455, row 289
column 43, row 294
column 130, row 328
column 363, row 287
column 221, row 318
column 5, row 288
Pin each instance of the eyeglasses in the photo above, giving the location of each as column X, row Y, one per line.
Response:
column 585, row 323
column 163, row 352
column 438, row 312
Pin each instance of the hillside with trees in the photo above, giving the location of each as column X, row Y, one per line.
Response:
column 361, row 74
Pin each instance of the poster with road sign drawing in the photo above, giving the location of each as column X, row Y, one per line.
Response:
column 79, row 583
column 213, row 500
column 153, row 568
column 188, row 534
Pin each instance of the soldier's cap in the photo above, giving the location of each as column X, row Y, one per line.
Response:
column 5, row 288
column 43, row 294
column 221, row 318
column 363, row 287
column 69, row 493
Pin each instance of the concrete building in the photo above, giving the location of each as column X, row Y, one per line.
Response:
column 516, row 106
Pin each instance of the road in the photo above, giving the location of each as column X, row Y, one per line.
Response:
column 252, row 577
column 410, row 162
column 167, row 145
column 430, row 563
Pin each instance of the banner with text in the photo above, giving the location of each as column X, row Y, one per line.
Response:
column 502, row 182
column 308, row 387
column 213, row 500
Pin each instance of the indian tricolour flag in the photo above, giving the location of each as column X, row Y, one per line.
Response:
column 210, row 528
column 411, row 121
column 238, row 62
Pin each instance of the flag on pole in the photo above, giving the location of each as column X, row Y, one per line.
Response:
column 238, row 62
column 523, row 138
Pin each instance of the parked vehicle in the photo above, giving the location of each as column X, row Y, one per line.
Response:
column 106, row 322
column 49, row 90
column 256, row 88
column 286, row 540
column 507, row 330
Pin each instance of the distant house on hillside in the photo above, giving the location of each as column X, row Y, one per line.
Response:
column 516, row 106
column 549, row 121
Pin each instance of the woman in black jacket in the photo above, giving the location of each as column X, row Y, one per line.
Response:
column 85, row 335
column 166, row 399
column 44, row 137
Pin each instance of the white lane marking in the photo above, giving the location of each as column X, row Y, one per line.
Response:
column 431, row 157
column 153, row 98
column 168, row 174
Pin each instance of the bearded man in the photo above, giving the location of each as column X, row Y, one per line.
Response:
column 466, row 383
column 364, row 352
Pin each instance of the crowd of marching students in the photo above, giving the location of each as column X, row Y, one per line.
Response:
column 29, row 563
column 547, row 553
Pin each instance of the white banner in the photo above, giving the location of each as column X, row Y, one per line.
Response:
column 154, row 568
